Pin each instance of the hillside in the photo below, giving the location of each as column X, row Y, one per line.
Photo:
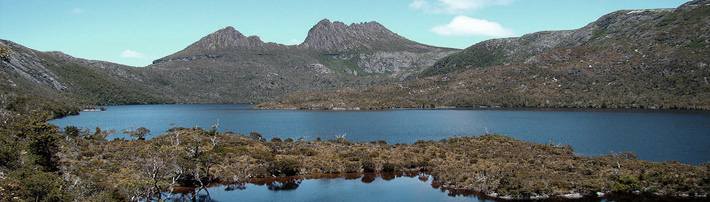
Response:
column 56, row 82
column 632, row 58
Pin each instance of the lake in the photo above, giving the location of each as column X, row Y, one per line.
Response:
column 338, row 189
column 653, row 135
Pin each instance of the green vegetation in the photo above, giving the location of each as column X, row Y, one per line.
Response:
column 30, row 161
column 340, row 66
column 92, row 87
column 474, row 57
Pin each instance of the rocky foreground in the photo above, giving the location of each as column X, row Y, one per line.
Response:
column 494, row 165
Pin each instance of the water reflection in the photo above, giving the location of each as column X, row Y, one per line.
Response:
column 351, row 187
column 280, row 184
column 190, row 195
column 357, row 187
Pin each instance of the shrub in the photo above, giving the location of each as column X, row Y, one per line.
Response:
column 256, row 136
column 626, row 183
column 39, row 186
column 139, row 133
column 71, row 131
column 368, row 166
column 389, row 167
column 308, row 152
column 284, row 167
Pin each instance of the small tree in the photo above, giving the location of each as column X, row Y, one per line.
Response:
column 99, row 134
column 139, row 133
column 256, row 136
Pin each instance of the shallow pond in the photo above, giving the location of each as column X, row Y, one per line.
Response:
column 652, row 135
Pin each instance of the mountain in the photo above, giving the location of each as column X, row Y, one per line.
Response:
column 227, row 66
column 53, row 81
column 222, row 40
column 654, row 58
column 338, row 37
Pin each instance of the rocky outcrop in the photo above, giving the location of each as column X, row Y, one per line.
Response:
column 29, row 65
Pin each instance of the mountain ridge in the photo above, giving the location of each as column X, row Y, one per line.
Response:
column 370, row 54
column 331, row 37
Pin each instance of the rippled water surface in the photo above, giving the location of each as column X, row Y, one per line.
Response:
column 652, row 135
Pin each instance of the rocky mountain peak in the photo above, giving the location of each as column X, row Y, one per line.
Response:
column 225, row 38
column 337, row 36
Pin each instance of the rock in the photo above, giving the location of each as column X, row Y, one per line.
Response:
column 572, row 196
column 600, row 194
column 492, row 195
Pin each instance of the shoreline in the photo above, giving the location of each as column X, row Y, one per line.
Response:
column 542, row 109
column 464, row 108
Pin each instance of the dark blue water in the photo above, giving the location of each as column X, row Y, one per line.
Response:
column 652, row 135
column 397, row 189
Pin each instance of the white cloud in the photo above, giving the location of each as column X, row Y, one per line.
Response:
column 467, row 26
column 419, row 4
column 131, row 54
column 454, row 6
column 77, row 11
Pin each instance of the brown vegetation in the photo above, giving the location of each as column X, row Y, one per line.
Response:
column 490, row 164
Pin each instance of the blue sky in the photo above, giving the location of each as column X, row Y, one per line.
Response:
column 136, row 32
